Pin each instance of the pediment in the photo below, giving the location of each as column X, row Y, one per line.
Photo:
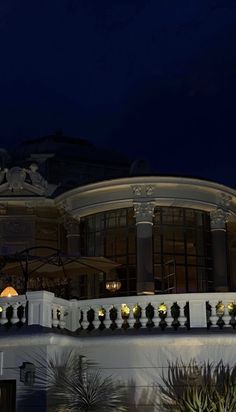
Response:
column 6, row 192
column 24, row 182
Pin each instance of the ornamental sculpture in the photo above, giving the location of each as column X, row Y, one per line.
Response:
column 15, row 178
column 18, row 178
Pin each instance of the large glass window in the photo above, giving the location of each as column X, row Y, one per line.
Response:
column 113, row 235
column 182, row 250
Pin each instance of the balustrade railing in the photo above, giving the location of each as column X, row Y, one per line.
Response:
column 13, row 310
column 203, row 310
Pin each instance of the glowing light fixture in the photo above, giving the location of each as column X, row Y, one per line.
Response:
column 8, row 292
column 231, row 306
column 125, row 310
column 101, row 312
column 162, row 308
column 113, row 285
column 220, row 308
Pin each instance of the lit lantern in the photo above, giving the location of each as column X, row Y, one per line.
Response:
column 113, row 285
column 8, row 292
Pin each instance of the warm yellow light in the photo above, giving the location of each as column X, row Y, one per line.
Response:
column 113, row 285
column 231, row 306
column 125, row 310
column 8, row 292
column 220, row 307
column 101, row 312
column 136, row 310
column 162, row 308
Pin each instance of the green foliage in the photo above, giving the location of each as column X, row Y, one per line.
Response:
column 198, row 388
column 73, row 385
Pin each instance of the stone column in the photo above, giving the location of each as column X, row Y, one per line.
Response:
column 73, row 235
column 144, row 212
column 219, row 218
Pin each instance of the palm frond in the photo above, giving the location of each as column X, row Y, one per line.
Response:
column 73, row 385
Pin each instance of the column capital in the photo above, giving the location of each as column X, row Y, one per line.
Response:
column 144, row 212
column 71, row 225
column 219, row 218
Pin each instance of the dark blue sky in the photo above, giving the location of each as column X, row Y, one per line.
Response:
column 154, row 79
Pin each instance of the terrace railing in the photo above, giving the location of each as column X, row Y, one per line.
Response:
column 176, row 311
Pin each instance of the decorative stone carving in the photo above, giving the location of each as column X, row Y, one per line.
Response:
column 142, row 190
column 149, row 190
column 137, row 190
column 17, row 178
column 36, row 178
column 219, row 218
column 225, row 201
column 144, row 212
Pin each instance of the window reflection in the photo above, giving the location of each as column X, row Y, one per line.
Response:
column 182, row 250
column 111, row 234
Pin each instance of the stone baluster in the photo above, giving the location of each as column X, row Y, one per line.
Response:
column 107, row 320
column 182, row 318
column 96, row 322
column 23, row 318
column 156, row 319
column 3, row 319
column 143, row 319
column 169, row 318
column 226, row 317
column 214, row 317
column 55, row 321
column 119, row 320
column 131, row 319
column 15, row 318
column 85, row 322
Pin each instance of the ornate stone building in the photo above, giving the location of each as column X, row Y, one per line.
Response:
column 161, row 250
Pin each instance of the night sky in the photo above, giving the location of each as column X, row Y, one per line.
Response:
column 153, row 79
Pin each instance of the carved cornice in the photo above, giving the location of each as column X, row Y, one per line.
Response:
column 142, row 190
column 225, row 201
column 144, row 212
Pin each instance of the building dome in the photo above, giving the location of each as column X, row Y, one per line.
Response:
column 70, row 162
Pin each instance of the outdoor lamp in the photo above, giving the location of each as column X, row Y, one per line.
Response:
column 113, row 285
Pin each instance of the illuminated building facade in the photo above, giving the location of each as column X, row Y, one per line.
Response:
column 173, row 290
